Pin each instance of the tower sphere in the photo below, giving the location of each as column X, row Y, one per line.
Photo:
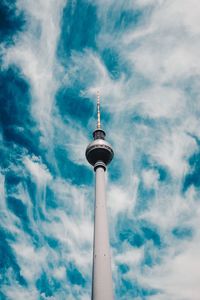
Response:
column 99, row 150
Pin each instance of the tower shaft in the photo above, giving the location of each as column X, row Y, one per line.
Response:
column 102, row 274
column 99, row 154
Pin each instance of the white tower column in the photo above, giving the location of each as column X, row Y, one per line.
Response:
column 99, row 154
column 102, row 275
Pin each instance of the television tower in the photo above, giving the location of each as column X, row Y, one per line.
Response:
column 99, row 154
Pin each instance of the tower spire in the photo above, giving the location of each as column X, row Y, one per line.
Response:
column 98, row 133
column 98, row 111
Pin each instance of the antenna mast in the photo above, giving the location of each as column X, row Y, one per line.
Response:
column 98, row 111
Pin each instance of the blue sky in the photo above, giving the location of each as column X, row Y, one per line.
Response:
column 143, row 56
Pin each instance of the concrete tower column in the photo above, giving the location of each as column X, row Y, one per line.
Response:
column 99, row 154
column 102, row 275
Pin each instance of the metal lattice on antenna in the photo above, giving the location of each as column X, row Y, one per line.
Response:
column 98, row 111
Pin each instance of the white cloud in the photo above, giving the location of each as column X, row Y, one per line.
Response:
column 35, row 54
column 161, row 102
column 121, row 200
column 150, row 178
column 178, row 277
column 167, row 47
column 131, row 257
column 16, row 291
column 38, row 170
column 30, row 260
column 173, row 151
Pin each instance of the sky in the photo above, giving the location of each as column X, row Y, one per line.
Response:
column 143, row 56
